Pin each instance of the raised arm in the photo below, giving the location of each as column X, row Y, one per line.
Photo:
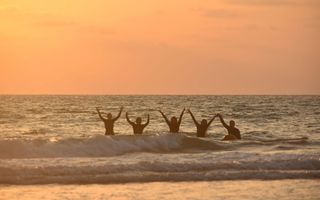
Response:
column 211, row 120
column 180, row 118
column 193, row 118
column 165, row 117
column 117, row 117
column 128, row 120
column 100, row 114
column 222, row 121
column 148, row 120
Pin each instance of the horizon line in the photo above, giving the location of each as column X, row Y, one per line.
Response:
column 150, row 94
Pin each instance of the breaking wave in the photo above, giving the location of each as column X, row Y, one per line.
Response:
column 102, row 146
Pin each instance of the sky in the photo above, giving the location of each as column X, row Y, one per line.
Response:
column 160, row 47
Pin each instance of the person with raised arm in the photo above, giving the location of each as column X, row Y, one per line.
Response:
column 174, row 124
column 137, row 126
column 203, row 126
column 109, row 121
column 233, row 132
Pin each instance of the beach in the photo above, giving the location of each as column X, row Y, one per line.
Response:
column 139, row 100
column 238, row 190
column 54, row 147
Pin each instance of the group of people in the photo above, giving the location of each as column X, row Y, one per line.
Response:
column 173, row 124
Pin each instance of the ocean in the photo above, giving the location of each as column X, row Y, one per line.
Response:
column 57, row 144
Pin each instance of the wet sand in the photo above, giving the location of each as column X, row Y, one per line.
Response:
column 246, row 190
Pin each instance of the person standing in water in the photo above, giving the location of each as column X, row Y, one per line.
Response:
column 174, row 124
column 109, row 121
column 137, row 126
column 233, row 132
column 203, row 126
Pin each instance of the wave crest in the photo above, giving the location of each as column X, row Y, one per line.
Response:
column 100, row 145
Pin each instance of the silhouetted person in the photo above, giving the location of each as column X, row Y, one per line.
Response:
column 233, row 132
column 203, row 127
column 137, row 126
column 174, row 124
column 109, row 122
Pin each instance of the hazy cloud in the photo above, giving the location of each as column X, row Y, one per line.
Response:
column 218, row 13
column 221, row 13
column 14, row 13
column 55, row 23
column 261, row 2
column 51, row 22
column 248, row 27
column 275, row 2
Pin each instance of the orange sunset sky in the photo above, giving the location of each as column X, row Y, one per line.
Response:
column 160, row 47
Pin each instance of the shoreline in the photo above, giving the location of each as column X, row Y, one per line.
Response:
column 247, row 189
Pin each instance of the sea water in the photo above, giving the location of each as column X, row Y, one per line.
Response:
column 60, row 140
